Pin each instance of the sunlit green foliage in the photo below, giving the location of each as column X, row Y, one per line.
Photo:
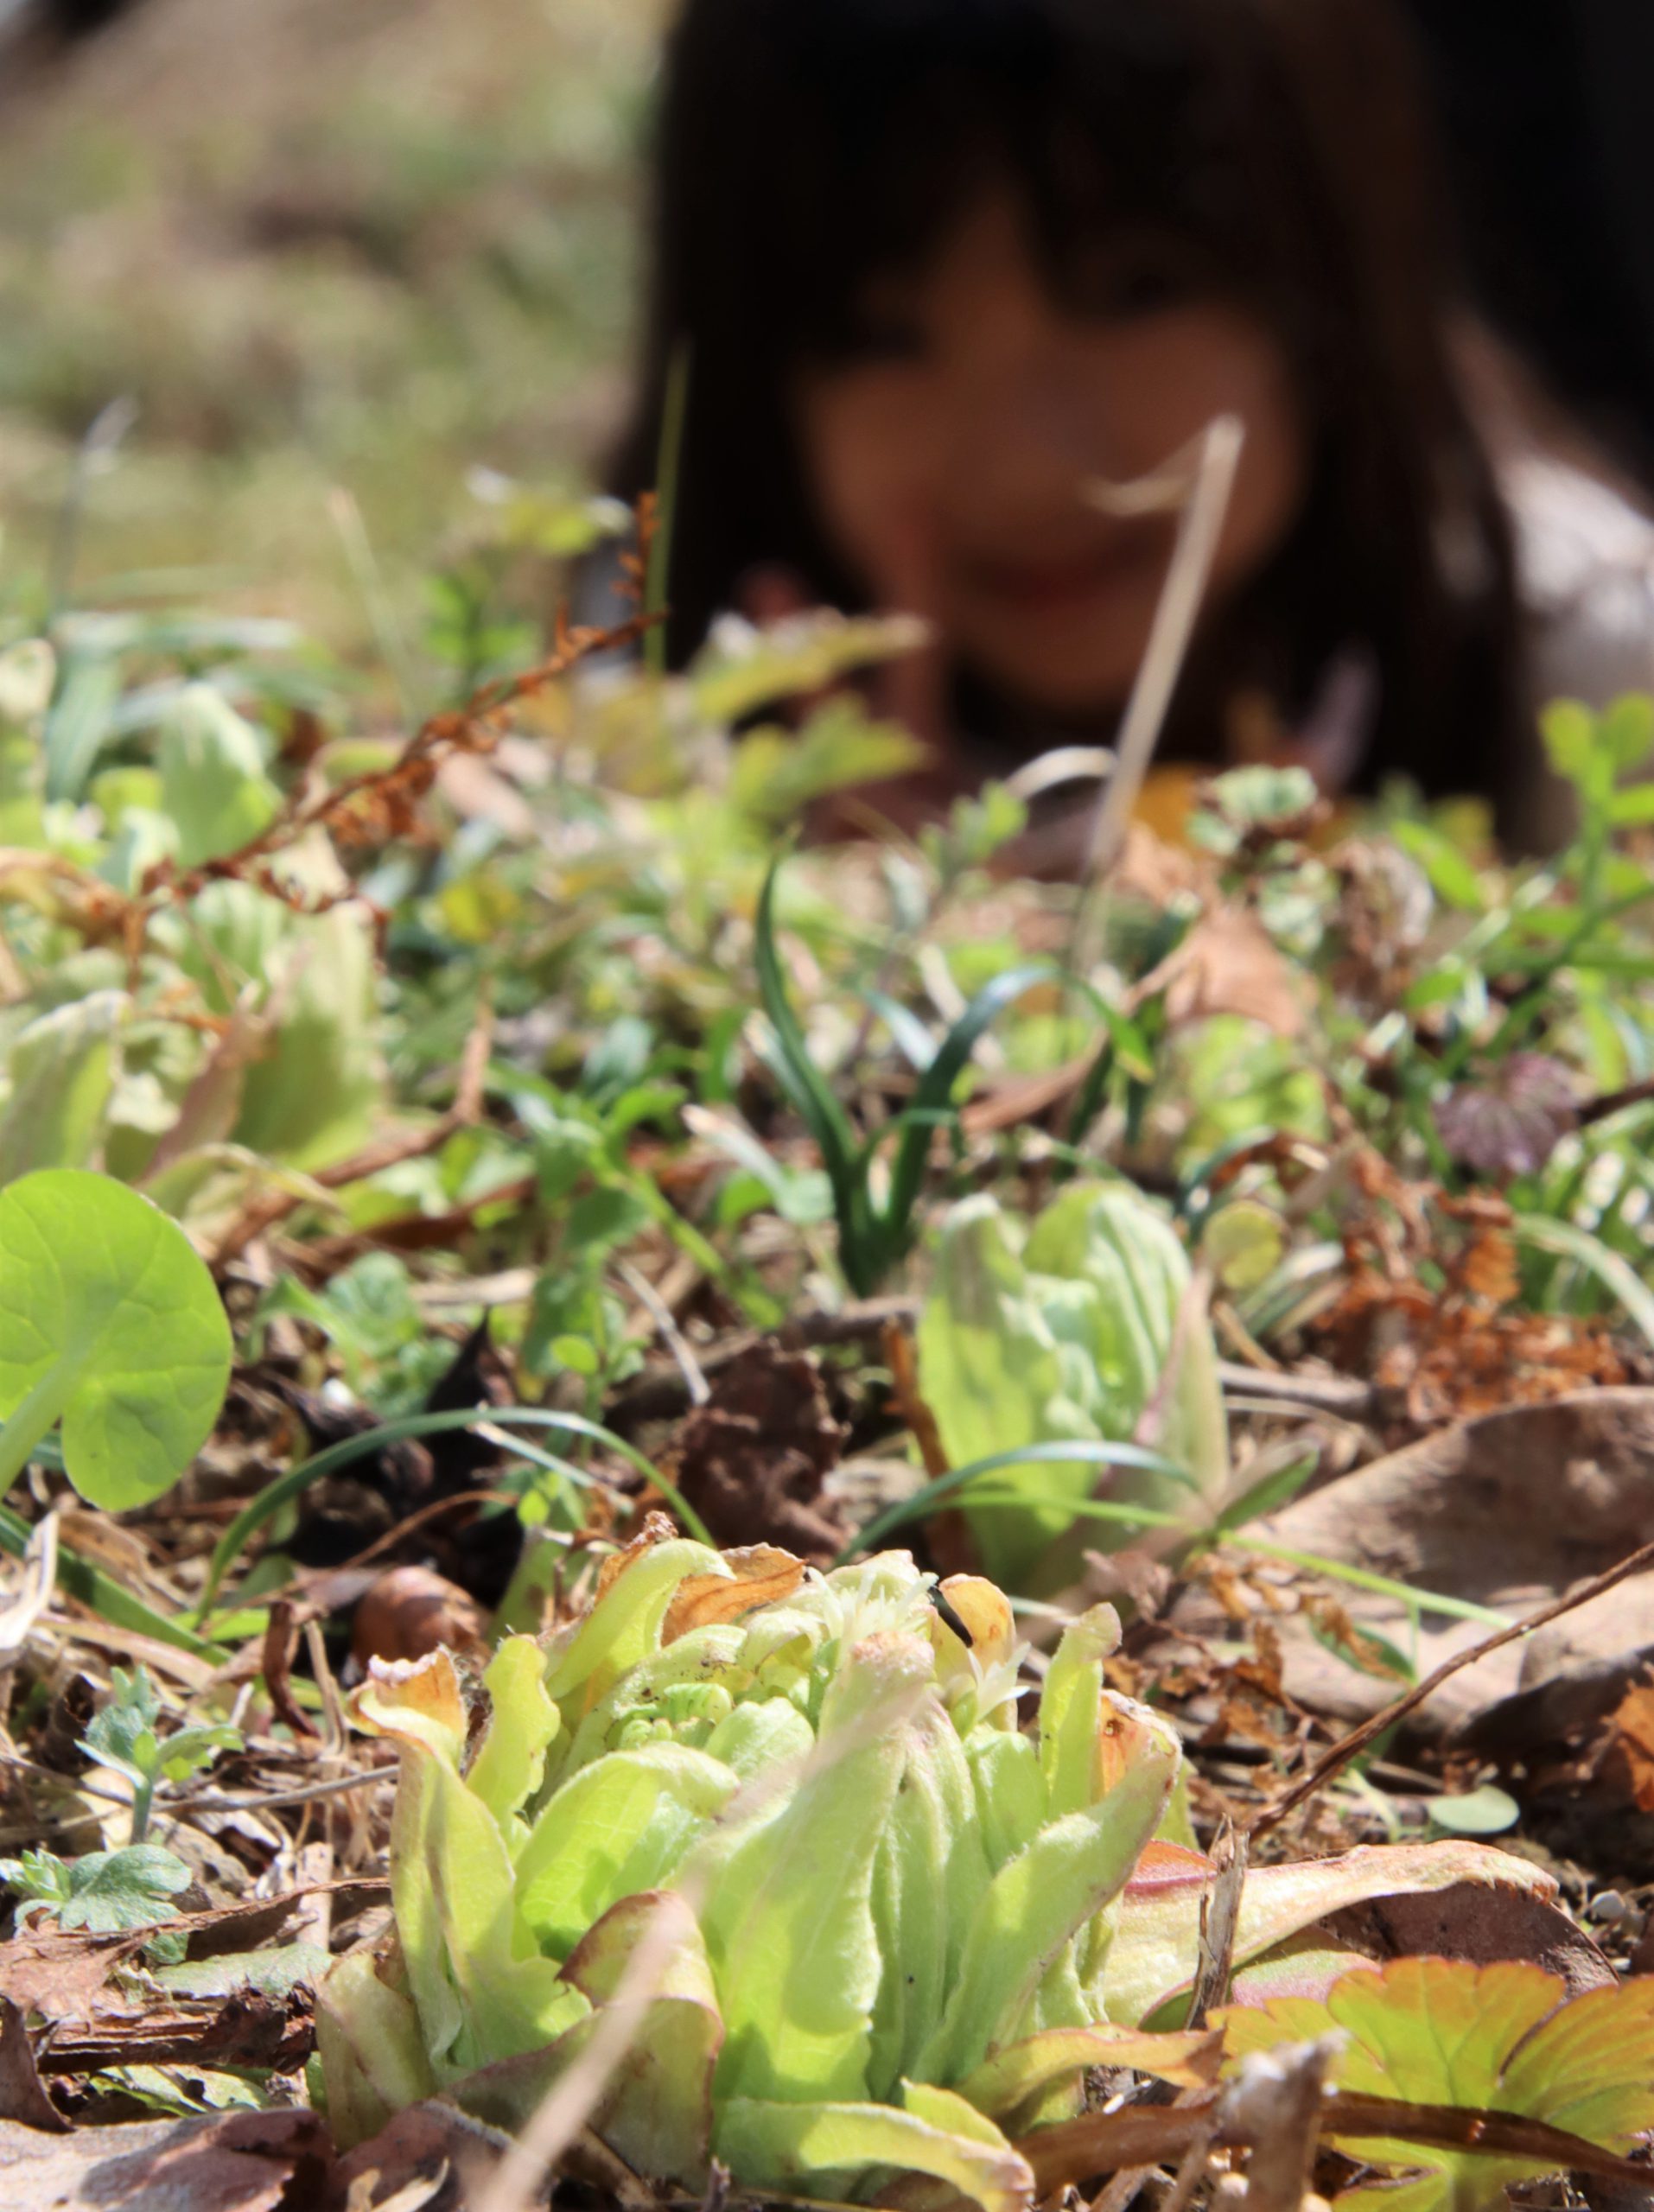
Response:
column 1069, row 1329
column 862, row 1921
column 111, row 1325
column 1506, row 2038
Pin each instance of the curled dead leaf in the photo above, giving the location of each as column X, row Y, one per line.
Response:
column 227, row 2162
column 1229, row 964
column 752, row 1460
column 657, row 1529
column 764, row 1574
column 412, row 1611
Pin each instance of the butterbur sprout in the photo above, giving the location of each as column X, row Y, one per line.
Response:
column 885, row 1929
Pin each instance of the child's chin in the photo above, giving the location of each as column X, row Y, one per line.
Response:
column 1077, row 686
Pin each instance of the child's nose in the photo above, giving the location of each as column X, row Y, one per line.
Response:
column 1030, row 419
column 1031, row 429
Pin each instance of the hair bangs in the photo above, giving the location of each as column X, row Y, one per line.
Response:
column 868, row 128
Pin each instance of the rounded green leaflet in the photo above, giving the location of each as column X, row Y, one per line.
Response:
column 1486, row 1811
column 111, row 1324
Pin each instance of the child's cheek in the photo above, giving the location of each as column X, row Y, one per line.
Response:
column 872, row 455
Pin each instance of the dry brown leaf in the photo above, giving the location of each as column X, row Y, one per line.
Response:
column 1632, row 1740
column 22, row 2094
column 1509, row 1510
column 60, row 1976
column 1264, row 1672
column 1481, row 1923
column 1439, row 1355
column 1333, row 1622
column 412, row 1611
column 230, row 2161
column 426, row 2143
column 1489, row 1270
column 247, row 2030
column 1137, row 1577
column 764, row 1575
column 657, row 1529
column 752, row 1459
column 1229, row 964
column 1157, row 872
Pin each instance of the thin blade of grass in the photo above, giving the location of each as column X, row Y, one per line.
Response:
column 934, row 1095
column 1564, row 1241
column 286, row 1487
column 103, row 1596
column 1078, row 1452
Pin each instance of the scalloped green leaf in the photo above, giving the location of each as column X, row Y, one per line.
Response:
column 1504, row 2038
column 111, row 1324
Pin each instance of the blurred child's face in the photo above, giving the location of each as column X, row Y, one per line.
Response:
column 949, row 454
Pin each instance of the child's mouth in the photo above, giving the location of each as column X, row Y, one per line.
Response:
column 1065, row 584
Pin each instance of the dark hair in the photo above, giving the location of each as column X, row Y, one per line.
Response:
column 803, row 145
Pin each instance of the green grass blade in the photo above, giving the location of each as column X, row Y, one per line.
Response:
column 1618, row 1277
column 275, row 1496
column 1086, row 1509
column 1425, row 1601
column 1067, row 1453
column 933, row 1098
column 812, row 1095
column 105, row 1597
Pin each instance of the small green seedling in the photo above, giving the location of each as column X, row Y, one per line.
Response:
column 1069, row 1327
column 101, row 1892
column 876, row 1230
column 866, row 1922
column 122, row 1736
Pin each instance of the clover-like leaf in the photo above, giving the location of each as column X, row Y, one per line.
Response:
column 1506, row 2037
column 110, row 1323
column 131, row 1888
column 121, row 1734
column 39, row 1877
column 186, row 1751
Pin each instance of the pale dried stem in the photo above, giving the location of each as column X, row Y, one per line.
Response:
column 1204, row 491
column 1350, row 1747
column 1275, row 2103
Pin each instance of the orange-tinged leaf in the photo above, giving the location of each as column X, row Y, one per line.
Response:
column 1157, row 1940
column 1632, row 1727
column 1590, row 2068
column 1501, row 2038
column 1438, row 2031
column 414, row 1701
column 657, row 1529
column 985, row 1610
column 763, row 1575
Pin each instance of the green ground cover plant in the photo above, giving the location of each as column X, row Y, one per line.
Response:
column 438, row 1136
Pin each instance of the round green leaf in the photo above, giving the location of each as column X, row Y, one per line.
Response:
column 110, row 1322
column 1243, row 1244
column 1486, row 1811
